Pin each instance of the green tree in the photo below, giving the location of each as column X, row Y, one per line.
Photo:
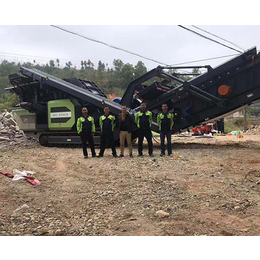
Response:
column 127, row 75
column 90, row 64
column 101, row 66
column 253, row 110
column 68, row 65
column 7, row 101
column 139, row 69
column 196, row 71
column 52, row 64
column 28, row 65
column 118, row 64
column 58, row 63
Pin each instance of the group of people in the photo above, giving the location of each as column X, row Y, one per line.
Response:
column 127, row 124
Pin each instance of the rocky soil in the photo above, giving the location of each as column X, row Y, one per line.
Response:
column 211, row 188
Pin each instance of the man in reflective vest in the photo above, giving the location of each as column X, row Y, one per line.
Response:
column 86, row 130
column 165, row 123
column 143, row 119
column 107, row 124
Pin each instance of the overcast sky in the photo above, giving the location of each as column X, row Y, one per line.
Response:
column 168, row 44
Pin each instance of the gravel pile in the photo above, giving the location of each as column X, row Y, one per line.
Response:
column 10, row 133
column 253, row 130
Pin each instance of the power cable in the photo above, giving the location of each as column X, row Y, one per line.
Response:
column 214, row 58
column 209, row 38
column 108, row 45
column 218, row 37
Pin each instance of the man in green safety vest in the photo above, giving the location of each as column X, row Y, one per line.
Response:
column 86, row 130
column 165, row 123
column 143, row 119
column 107, row 124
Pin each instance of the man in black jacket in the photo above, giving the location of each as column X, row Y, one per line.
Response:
column 143, row 119
column 107, row 124
column 86, row 130
column 126, row 126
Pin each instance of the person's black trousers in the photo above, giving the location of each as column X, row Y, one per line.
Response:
column 169, row 143
column 148, row 136
column 87, row 138
column 103, row 140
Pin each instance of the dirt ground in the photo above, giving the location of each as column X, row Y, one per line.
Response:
column 212, row 189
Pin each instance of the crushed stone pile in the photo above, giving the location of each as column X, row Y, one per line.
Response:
column 253, row 130
column 10, row 133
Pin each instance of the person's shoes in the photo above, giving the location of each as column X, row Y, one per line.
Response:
column 121, row 155
column 99, row 156
column 140, row 154
column 94, row 155
column 162, row 154
column 151, row 155
column 169, row 154
column 114, row 155
column 86, row 157
column 131, row 155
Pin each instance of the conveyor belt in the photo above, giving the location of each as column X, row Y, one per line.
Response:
column 71, row 89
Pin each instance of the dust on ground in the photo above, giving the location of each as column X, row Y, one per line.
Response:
column 213, row 188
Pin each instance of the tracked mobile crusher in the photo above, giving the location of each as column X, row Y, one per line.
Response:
column 51, row 106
